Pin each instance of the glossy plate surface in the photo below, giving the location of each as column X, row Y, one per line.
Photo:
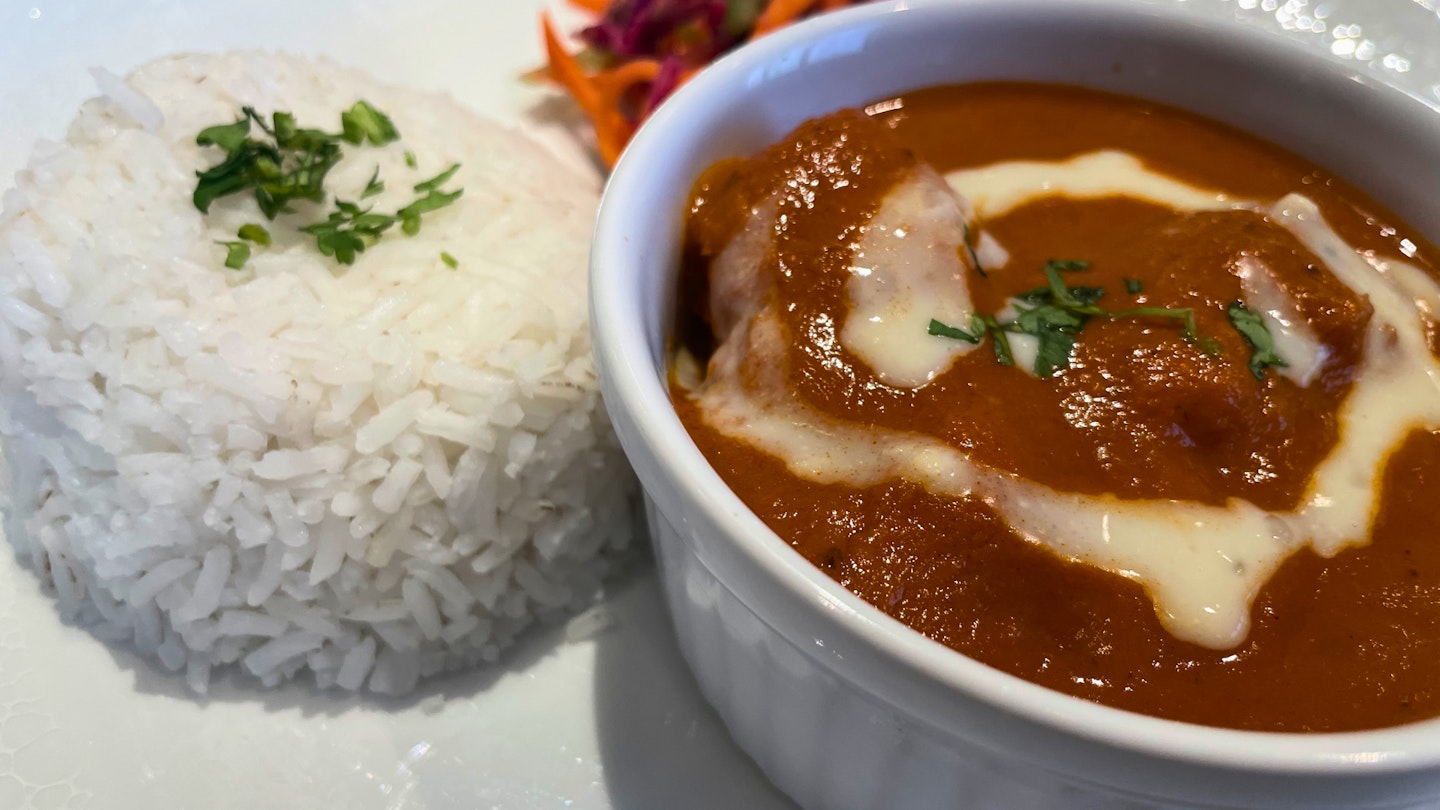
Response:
column 609, row 721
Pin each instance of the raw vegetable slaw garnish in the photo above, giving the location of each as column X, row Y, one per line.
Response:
column 639, row 51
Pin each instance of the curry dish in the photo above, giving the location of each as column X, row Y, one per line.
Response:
column 1084, row 388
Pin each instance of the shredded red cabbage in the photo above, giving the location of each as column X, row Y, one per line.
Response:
column 693, row 30
column 665, row 83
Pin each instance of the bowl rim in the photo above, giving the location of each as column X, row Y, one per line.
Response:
column 635, row 392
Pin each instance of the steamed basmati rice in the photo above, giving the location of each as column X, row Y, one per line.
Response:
column 371, row 473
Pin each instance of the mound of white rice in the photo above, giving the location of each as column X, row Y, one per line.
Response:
column 372, row 473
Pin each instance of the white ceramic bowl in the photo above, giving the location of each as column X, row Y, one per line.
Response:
column 841, row 705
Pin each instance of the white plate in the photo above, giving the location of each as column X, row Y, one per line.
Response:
column 613, row 721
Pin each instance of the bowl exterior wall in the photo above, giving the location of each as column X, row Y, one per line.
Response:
column 823, row 741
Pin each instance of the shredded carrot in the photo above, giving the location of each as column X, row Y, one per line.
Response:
column 565, row 70
column 611, row 129
column 614, row 82
column 612, row 137
column 595, row 6
column 780, row 13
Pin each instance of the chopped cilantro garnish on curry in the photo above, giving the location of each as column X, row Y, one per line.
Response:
column 1055, row 314
column 1262, row 345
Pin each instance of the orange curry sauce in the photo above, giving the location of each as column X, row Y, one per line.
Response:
column 1346, row 643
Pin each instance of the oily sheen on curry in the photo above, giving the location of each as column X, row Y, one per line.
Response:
column 1120, row 523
